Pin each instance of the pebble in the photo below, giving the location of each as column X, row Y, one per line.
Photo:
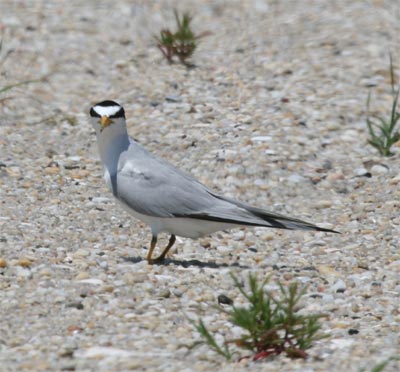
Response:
column 328, row 298
column 360, row 172
column 99, row 352
column 104, row 265
column 350, row 135
column 93, row 281
column 45, row 272
column 81, row 253
column 224, row 249
column 339, row 286
column 335, row 176
column 23, row 273
column 253, row 121
column 395, row 180
column 261, row 138
column 66, row 351
column 321, row 204
column 82, row 275
column 173, row 98
column 79, row 174
column 25, row 262
column 225, row 300
column 341, row 343
column 177, row 292
column 164, row 293
column 328, row 271
column 75, row 159
column 130, row 278
column 296, row 178
column 378, row 169
column 101, row 200
column 51, row 170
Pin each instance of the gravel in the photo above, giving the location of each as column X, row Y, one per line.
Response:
column 273, row 114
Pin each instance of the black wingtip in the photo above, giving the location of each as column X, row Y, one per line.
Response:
column 317, row 228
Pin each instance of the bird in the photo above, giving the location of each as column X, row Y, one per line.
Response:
column 163, row 196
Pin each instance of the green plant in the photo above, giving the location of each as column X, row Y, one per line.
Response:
column 11, row 86
column 181, row 43
column 271, row 325
column 382, row 365
column 383, row 132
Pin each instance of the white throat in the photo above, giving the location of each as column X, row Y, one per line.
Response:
column 112, row 141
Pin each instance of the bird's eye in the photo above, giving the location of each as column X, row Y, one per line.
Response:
column 94, row 114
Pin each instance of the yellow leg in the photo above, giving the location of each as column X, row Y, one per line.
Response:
column 152, row 246
column 161, row 257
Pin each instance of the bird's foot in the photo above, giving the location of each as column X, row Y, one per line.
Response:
column 156, row 261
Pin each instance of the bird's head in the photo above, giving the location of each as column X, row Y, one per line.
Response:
column 107, row 114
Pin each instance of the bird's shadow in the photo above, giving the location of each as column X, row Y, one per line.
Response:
column 187, row 263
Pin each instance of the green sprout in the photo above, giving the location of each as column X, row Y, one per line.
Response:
column 382, row 365
column 181, row 43
column 383, row 133
column 271, row 325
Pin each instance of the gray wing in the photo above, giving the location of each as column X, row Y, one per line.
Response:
column 154, row 187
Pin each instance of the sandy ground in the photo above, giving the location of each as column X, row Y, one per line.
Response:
column 272, row 114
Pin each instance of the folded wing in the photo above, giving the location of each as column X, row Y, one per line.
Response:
column 158, row 189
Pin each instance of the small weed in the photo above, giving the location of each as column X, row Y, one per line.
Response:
column 271, row 325
column 11, row 86
column 382, row 365
column 180, row 44
column 14, row 85
column 383, row 132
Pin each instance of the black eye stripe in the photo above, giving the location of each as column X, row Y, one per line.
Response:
column 119, row 114
column 93, row 113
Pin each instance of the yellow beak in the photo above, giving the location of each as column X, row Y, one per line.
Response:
column 105, row 121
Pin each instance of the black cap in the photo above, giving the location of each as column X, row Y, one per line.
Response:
column 118, row 114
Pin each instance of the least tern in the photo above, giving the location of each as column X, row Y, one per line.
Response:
column 164, row 197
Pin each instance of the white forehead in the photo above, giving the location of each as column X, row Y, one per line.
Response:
column 106, row 111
